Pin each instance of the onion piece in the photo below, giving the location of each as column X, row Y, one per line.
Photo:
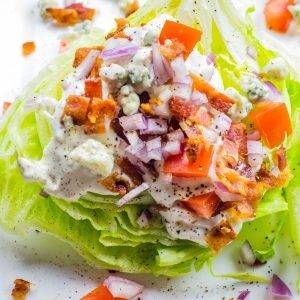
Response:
column 243, row 295
column 84, row 69
column 161, row 72
column 182, row 90
column 254, row 136
column 155, row 154
column 251, row 52
column 133, row 122
column 155, row 126
column 180, row 71
column 275, row 171
column 132, row 194
column 211, row 59
column 279, row 288
column 273, row 89
column 123, row 288
column 255, row 147
column 171, row 148
column 176, row 135
column 222, row 123
column 154, row 144
column 132, row 137
column 118, row 54
column 198, row 98
column 224, row 194
column 255, row 160
column 144, row 218
column 248, row 254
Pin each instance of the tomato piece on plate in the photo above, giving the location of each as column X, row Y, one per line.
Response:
column 184, row 34
column 203, row 205
column 100, row 293
column 273, row 121
column 179, row 165
column 6, row 105
column 277, row 15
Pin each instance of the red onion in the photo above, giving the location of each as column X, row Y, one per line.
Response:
column 153, row 144
column 243, row 295
column 198, row 98
column 171, row 148
column 155, row 126
column 84, row 69
column 133, row 122
column 254, row 136
column 180, row 71
column 222, row 123
column 176, row 135
column 224, row 194
column 275, row 171
column 255, row 160
column 211, row 59
column 273, row 89
column 123, row 288
column 121, row 53
column 279, row 288
column 155, row 154
column 161, row 72
column 144, row 218
column 248, row 254
column 132, row 194
column 182, row 90
column 255, row 153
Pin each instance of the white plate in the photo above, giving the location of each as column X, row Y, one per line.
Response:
column 54, row 268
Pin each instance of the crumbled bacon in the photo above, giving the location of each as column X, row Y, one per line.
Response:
column 128, row 168
column 28, row 48
column 6, row 105
column 71, row 15
column 219, row 236
column 81, row 54
column 237, row 134
column 77, row 108
column 282, row 159
column 95, row 73
column 173, row 50
column 93, row 88
column 245, row 170
column 116, row 184
column 181, row 108
column 119, row 32
column 134, row 6
column 218, row 103
column 192, row 150
column 237, row 210
column 21, row 289
column 231, row 152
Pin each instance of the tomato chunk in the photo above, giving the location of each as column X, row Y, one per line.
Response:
column 277, row 15
column 203, row 205
column 100, row 293
column 273, row 122
column 179, row 165
column 216, row 99
column 93, row 88
column 184, row 34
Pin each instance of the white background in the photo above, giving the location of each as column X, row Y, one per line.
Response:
column 56, row 270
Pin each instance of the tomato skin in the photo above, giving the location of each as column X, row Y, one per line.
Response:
column 203, row 205
column 277, row 15
column 179, row 165
column 184, row 34
column 100, row 293
column 273, row 121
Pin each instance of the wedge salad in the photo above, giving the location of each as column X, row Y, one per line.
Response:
column 152, row 148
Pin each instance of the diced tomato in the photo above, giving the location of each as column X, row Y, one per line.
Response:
column 81, row 54
column 100, row 293
column 203, row 205
column 6, row 105
column 93, row 88
column 216, row 99
column 77, row 108
column 278, row 17
column 273, row 122
column 179, row 165
column 184, row 34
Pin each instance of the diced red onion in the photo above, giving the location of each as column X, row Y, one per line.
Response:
column 254, row 136
column 144, row 218
column 275, row 171
column 123, row 288
column 132, row 137
column 255, row 147
column 248, row 254
column 180, row 71
column 132, row 194
column 155, row 126
column 118, row 54
column 255, row 160
column 133, row 122
column 273, row 89
column 279, row 288
column 251, row 52
column 211, row 59
column 136, row 147
column 154, row 144
column 161, row 72
column 243, row 295
column 207, row 73
column 198, row 98
column 155, row 154
column 176, row 135
column 182, row 90
column 224, row 194
column 84, row 69
column 222, row 123
column 171, row 148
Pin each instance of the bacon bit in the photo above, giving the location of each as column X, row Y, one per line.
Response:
column 21, row 289
column 77, row 108
column 245, row 170
column 119, row 32
column 219, row 236
column 93, row 88
column 63, row 46
column 147, row 108
column 6, row 106
column 175, row 49
column 282, row 160
column 238, row 135
column 28, row 48
column 128, row 168
column 181, row 108
column 121, row 23
column 71, row 15
column 95, row 73
column 81, row 54
column 231, row 150
column 132, row 8
column 192, row 150
column 202, row 117
column 238, row 210
column 116, row 184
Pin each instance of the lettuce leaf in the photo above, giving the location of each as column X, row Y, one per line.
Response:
column 107, row 236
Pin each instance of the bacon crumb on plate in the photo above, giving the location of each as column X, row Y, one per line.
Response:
column 28, row 48
column 6, row 105
column 21, row 289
